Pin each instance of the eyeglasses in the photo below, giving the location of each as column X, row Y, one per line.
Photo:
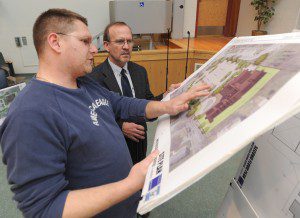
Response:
column 121, row 42
column 86, row 40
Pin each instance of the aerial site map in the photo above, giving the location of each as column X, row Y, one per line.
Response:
column 255, row 85
column 7, row 95
column 243, row 78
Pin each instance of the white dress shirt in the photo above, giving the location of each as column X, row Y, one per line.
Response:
column 117, row 72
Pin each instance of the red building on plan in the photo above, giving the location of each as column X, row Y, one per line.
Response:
column 234, row 90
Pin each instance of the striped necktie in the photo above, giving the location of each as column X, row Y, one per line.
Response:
column 125, row 84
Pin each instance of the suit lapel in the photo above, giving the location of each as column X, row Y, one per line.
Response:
column 110, row 79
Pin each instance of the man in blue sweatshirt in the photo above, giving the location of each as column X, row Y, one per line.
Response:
column 65, row 154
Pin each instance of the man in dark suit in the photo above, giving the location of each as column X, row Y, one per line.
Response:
column 117, row 73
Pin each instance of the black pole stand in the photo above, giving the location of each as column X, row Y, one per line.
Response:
column 187, row 55
column 167, row 69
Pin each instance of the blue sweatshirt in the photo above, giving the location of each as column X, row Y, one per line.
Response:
column 56, row 139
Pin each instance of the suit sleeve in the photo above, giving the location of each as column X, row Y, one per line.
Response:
column 35, row 155
column 120, row 123
column 149, row 94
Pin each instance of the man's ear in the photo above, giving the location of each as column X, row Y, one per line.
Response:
column 54, row 42
column 106, row 45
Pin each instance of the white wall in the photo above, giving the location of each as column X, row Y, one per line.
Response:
column 190, row 12
column 246, row 19
column 17, row 19
column 283, row 21
column 285, row 16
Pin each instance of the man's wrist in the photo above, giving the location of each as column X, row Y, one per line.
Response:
column 123, row 123
column 165, row 107
column 157, row 108
column 131, row 184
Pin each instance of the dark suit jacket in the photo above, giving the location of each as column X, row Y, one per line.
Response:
column 104, row 75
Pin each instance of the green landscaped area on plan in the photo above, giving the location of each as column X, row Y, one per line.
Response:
column 206, row 126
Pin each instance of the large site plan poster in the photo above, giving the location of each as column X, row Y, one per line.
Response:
column 255, row 86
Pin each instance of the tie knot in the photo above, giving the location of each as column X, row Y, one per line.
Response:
column 123, row 72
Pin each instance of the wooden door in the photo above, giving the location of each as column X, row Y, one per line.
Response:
column 217, row 17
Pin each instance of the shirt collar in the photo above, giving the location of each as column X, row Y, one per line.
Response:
column 116, row 68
